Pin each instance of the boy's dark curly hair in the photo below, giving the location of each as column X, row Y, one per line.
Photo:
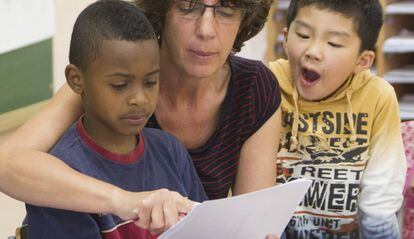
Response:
column 106, row 20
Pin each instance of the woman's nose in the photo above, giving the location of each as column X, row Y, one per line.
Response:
column 206, row 24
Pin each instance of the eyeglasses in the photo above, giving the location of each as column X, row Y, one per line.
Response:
column 193, row 10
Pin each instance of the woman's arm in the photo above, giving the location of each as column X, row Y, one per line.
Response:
column 26, row 172
column 30, row 174
column 257, row 166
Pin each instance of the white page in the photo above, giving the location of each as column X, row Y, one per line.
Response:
column 251, row 216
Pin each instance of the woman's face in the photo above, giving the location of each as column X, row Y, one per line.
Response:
column 199, row 45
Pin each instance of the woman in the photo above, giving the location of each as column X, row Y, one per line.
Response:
column 224, row 109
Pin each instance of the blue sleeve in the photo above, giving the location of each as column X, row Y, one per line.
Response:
column 189, row 176
column 378, row 227
column 49, row 223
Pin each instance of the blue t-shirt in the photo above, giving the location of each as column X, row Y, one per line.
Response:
column 158, row 161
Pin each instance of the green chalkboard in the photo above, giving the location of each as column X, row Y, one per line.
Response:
column 25, row 76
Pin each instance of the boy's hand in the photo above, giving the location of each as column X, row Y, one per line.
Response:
column 153, row 210
column 162, row 209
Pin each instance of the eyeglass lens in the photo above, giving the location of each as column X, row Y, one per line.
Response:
column 192, row 10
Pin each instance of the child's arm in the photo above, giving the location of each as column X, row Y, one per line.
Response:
column 27, row 172
column 30, row 174
column 383, row 179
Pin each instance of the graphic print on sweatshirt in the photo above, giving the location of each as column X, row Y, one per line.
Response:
column 326, row 154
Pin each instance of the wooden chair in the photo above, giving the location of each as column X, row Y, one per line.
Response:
column 21, row 233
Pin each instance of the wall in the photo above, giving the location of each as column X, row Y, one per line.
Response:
column 25, row 52
column 66, row 13
column 11, row 211
column 255, row 48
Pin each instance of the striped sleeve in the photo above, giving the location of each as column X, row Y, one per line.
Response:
column 264, row 90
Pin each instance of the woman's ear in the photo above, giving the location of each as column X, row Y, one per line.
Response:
column 74, row 78
column 365, row 61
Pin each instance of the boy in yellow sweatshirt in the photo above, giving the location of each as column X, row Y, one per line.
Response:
column 341, row 125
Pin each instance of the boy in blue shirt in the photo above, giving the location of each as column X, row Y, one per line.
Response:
column 114, row 66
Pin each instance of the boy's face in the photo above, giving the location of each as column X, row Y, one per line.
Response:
column 323, row 50
column 120, row 88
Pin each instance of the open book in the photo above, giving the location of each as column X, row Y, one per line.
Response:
column 253, row 215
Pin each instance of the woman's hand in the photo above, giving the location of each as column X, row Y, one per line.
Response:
column 153, row 210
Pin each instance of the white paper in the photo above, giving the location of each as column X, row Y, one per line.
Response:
column 253, row 215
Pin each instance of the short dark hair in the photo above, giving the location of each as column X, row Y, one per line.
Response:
column 366, row 14
column 106, row 20
column 254, row 18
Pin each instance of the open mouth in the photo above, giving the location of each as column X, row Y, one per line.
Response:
column 310, row 75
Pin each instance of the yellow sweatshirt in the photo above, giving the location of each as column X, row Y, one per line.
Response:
column 350, row 146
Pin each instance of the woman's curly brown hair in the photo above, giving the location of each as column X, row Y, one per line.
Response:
column 254, row 18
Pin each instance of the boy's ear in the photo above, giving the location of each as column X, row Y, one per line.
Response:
column 285, row 38
column 365, row 61
column 74, row 78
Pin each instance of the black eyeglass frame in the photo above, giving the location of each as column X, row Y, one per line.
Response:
column 214, row 7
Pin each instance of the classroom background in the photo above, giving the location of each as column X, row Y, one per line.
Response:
column 34, row 47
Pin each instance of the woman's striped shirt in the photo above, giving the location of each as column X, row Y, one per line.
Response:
column 253, row 96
